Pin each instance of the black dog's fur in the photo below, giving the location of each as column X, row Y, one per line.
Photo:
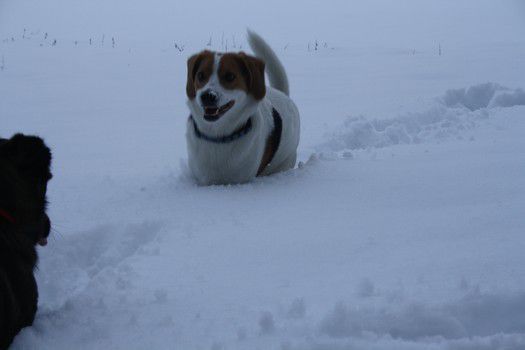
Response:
column 24, row 172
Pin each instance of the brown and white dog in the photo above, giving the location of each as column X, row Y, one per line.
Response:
column 239, row 128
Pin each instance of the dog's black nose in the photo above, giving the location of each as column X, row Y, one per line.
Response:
column 209, row 98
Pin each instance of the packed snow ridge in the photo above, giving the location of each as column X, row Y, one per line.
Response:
column 453, row 113
column 475, row 314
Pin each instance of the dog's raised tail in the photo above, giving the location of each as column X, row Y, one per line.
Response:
column 274, row 67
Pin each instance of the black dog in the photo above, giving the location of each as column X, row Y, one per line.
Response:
column 24, row 172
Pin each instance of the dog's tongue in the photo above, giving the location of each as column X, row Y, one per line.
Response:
column 211, row 110
column 42, row 242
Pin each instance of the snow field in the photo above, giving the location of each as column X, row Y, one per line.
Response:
column 401, row 229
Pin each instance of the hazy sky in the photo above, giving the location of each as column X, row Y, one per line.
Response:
column 344, row 22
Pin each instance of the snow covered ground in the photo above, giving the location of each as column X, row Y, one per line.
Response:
column 402, row 229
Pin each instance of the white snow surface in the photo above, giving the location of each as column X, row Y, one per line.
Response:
column 402, row 228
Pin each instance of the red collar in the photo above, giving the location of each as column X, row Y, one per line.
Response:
column 5, row 215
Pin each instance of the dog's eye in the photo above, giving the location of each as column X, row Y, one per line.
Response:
column 229, row 77
column 201, row 77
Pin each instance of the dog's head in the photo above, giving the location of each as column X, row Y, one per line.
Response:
column 25, row 163
column 221, row 86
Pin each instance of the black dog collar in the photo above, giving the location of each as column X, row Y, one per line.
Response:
column 237, row 134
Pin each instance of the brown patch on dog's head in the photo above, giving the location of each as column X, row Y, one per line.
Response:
column 243, row 72
column 200, row 68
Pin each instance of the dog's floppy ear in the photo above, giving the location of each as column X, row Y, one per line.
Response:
column 193, row 66
column 28, row 154
column 254, row 73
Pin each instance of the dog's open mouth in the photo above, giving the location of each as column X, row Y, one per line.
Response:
column 213, row 113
